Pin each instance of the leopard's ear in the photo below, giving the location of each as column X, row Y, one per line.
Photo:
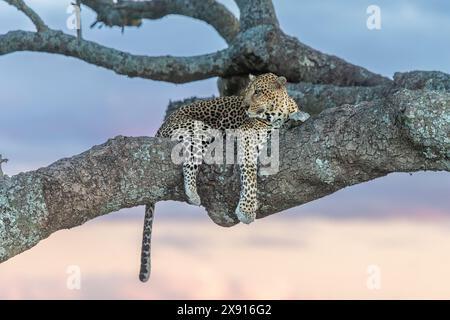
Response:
column 281, row 82
column 251, row 77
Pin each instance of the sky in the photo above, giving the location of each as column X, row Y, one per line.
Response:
column 53, row 106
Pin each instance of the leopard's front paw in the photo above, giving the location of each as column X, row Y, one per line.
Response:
column 244, row 214
column 193, row 197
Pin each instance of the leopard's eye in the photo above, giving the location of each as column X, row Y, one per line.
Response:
column 257, row 92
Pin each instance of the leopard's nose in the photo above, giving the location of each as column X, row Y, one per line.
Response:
column 260, row 110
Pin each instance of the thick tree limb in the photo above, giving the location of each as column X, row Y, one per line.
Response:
column 397, row 131
column 314, row 98
column 268, row 48
column 131, row 13
column 165, row 68
column 257, row 49
column 256, row 12
column 232, row 86
column 263, row 48
column 407, row 131
column 430, row 80
column 34, row 17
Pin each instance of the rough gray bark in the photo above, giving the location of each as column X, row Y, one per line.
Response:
column 256, row 12
column 406, row 131
column 263, row 48
column 166, row 68
column 232, row 85
column 366, row 127
column 37, row 21
column 314, row 98
column 131, row 13
column 430, row 80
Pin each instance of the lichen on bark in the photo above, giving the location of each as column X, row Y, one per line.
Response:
column 364, row 125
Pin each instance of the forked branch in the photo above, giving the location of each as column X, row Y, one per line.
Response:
column 34, row 17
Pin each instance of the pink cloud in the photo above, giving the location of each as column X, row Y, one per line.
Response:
column 273, row 258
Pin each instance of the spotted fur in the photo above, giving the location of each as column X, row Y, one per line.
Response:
column 263, row 106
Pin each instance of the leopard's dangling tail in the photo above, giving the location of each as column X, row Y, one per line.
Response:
column 144, row 273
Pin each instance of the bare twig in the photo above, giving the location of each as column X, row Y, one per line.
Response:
column 79, row 30
column 34, row 17
column 1, row 162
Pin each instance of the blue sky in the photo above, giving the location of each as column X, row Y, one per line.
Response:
column 53, row 106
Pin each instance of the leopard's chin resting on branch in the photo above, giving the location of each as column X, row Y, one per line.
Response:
column 405, row 132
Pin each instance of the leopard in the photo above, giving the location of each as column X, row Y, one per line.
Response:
column 263, row 106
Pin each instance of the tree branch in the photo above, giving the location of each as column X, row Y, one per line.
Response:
column 315, row 98
column 34, row 17
column 256, row 12
column 165, row 68
column 312, row 98
column 131, row 13
column 260, row 48
column 268, row 48
column 404, row 132
column 429, row 80
column 2, row 161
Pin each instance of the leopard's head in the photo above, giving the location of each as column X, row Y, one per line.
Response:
column 267, row 99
